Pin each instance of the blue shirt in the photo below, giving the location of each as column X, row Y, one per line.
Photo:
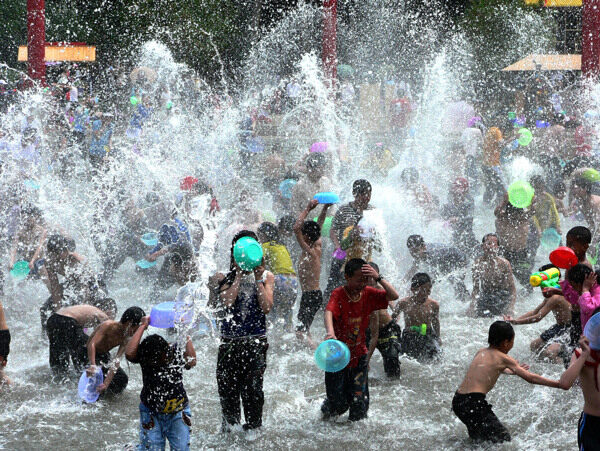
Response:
column 174, row 233
column 244, row 318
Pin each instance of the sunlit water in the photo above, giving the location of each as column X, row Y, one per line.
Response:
column 414, row 412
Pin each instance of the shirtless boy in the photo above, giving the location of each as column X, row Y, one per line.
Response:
column 67, row 337
column 494, row 291
column 384, row 335
column 107, row 336
column 512, row 227
column 584, row 365
column 4, row 347
column 469, row 403
column 308, row 235
column 421, row 334
column 553, row 342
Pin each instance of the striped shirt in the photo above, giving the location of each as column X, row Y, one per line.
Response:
column 346, row 216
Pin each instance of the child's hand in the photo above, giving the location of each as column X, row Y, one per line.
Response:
column 330, row 337
column 524, row 366
column 100, row 388
column 369, row 271
column 589, row 281
column 584, row 344
column 312, row 204
column 145, row 322
column 91, row 370
column 258, row 272
column 508, row 318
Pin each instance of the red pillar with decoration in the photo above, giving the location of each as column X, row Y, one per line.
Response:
column 329, row 54
column 36, row 40
column 590, row 38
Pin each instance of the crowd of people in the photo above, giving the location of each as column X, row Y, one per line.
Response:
column 318, row 260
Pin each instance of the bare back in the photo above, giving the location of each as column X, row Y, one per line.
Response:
column 107, row 336
column 309, row 267
column 484, row 371
column 591, row 395
column 84, row 314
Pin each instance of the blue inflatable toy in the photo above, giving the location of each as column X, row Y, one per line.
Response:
column 145, row 264
column 327, row 198
column 88, row 385
column 150, row 239
column 167, row 314
column 592, row 331
column 332, row 356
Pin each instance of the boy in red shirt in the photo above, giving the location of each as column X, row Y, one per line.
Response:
column 346, row 319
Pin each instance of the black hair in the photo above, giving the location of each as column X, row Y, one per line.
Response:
column 419, row 279
column 578, row 273
column 353, row 265
column 548, row 266
column 154, row 350
column 133, row 315
column 487, row 235
column 106, row 305
column 315, row 160
column 269, row 230
column 536, row 180
column 312, row 231
column 361, row 186
column 57, row 244
column 415, row 241
column 580, row 234
column 410, row 175
column 286, row 223
column 181, row 254
column 500, row 331
column 230, row 277
column 374, row 265
column 31, row 211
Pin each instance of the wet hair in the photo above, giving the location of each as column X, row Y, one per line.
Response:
column 286, row 223
column 409, row 175
column 312, row 231
column 106, row 305
column 415, row 241
column 548, row 266
column 580, row 234
column 4, row 343
column 419, row 279
column 536, row 180
column 353, row 265
column 500, row 331
column 578, row 273
column 315, row 160
column 487, row 235
column 154, row 350
column 361, row 186
column 31, row 211
column 133, row 315
column 269, row 230
column 230, row 277
column 57, row 244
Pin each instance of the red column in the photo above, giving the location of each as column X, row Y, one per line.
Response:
column 36, row 40
column 590, row 38
column 330, row 39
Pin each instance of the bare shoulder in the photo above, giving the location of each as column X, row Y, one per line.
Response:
column 433, row 304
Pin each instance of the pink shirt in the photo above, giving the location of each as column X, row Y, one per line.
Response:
column 587, row 302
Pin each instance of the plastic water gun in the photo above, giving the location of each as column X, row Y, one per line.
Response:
column 545, row 279
column 422, row 329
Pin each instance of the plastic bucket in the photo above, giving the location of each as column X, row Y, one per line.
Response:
column 167, row 314
column 248, row 253
column 332, row 356
column 20, row 270
column 520, row 194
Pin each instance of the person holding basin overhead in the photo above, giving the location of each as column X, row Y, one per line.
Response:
column 242, row 297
